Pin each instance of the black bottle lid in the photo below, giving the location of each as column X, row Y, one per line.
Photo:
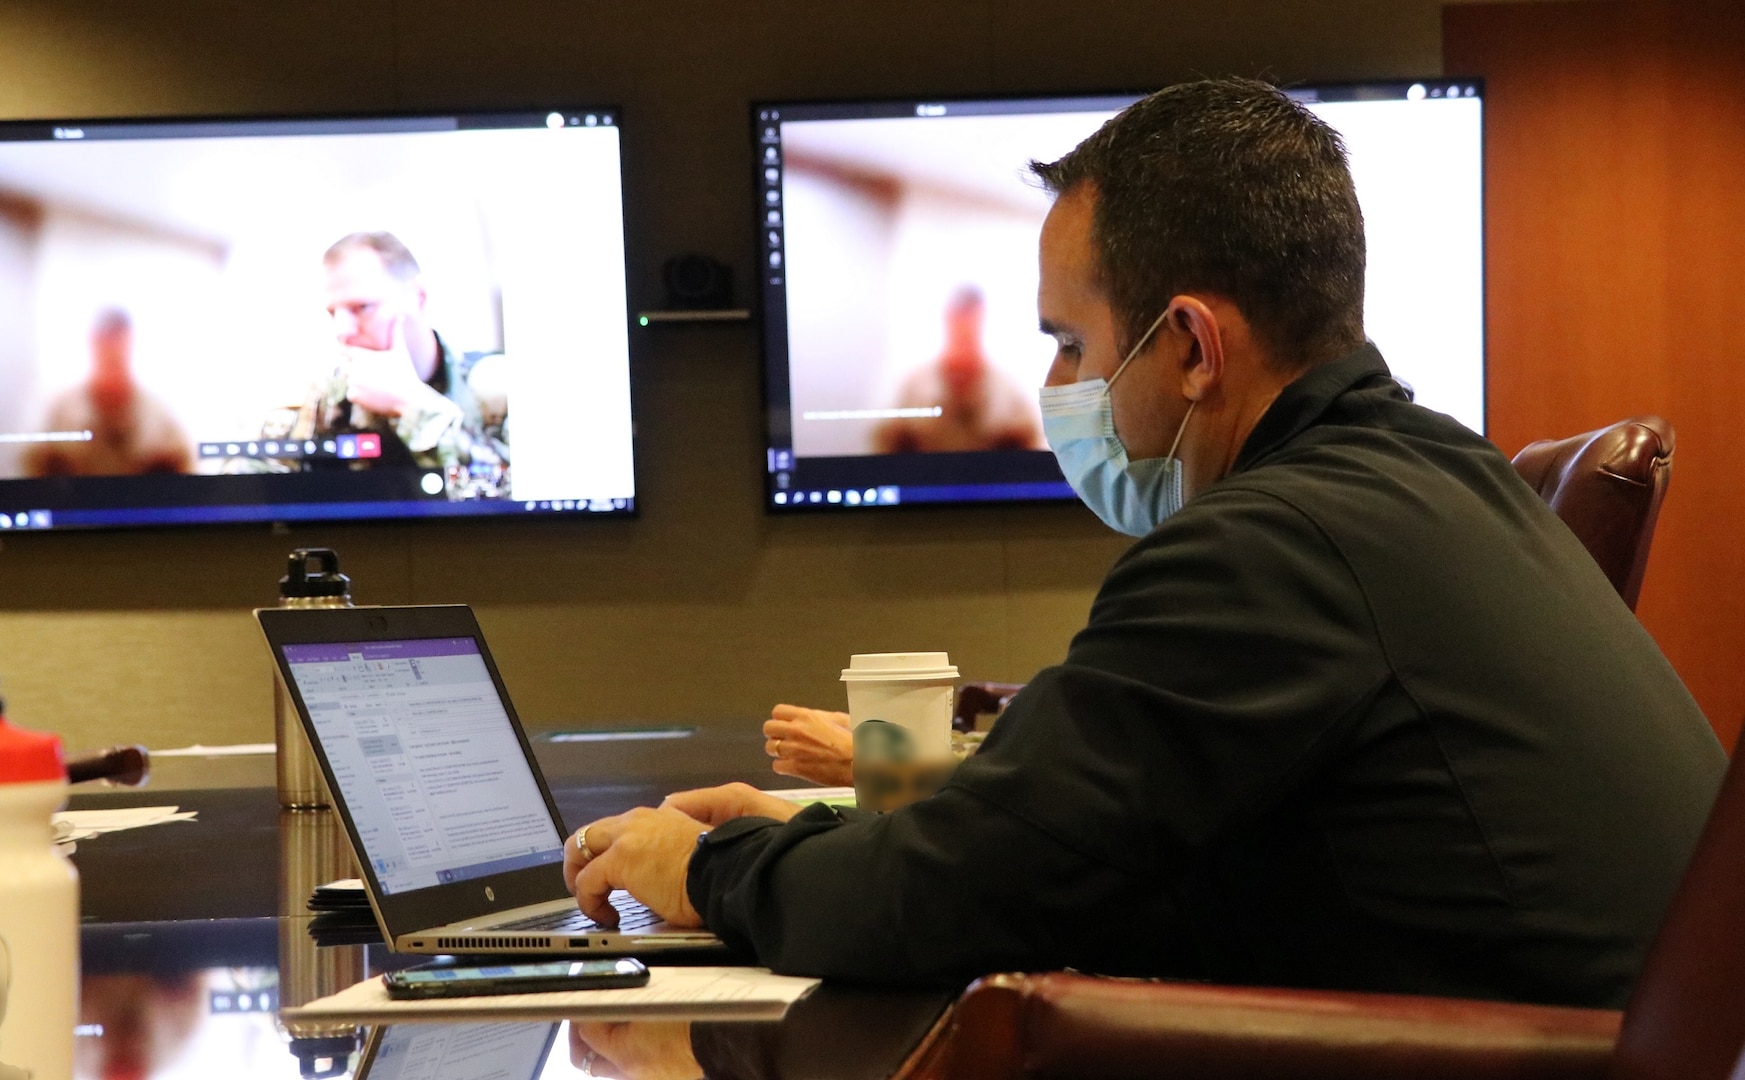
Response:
column 323, row 1057
column 327, row 581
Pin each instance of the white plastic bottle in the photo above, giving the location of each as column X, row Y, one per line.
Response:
column 39, row 912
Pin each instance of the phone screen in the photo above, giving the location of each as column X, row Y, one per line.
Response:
column 444, row 980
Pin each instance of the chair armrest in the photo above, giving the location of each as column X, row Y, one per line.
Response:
column 1060, row 1025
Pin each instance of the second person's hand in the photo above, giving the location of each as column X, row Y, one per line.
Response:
column 813, row 744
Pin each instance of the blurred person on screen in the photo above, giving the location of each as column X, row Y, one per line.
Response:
column 435, row 408
column 980, row 406
column 109, row 425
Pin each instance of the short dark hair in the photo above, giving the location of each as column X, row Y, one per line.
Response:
column 396, row 257
column 1229, row 186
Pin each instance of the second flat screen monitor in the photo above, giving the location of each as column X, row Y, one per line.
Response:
column 898, row 267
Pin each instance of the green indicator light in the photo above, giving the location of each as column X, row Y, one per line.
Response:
column 643, row 319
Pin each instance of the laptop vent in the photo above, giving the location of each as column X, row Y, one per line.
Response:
column 462, row 944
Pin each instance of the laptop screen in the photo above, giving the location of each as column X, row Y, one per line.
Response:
column 461, row 1052
column 426, row 759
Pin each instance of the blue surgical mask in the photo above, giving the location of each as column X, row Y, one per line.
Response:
column 1078, row 421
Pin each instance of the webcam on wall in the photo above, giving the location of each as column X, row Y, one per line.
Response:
column 697, row 282
column 699, row 288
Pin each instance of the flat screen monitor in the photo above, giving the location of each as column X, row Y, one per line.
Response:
column 898, row 269
column 312, row 319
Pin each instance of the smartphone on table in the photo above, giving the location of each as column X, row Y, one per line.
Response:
column 445, row 979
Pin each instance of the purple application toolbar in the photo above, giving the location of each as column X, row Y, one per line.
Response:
column 414, row 649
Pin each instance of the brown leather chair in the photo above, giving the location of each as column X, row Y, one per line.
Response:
column 1607, row 486
column 1685, row 1021
column 976, row 700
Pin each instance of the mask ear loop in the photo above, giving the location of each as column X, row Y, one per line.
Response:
column 1180, row 431
column 1143, row 338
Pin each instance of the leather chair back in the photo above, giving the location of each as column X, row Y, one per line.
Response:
column 1686, row 1018
column 1607, row 486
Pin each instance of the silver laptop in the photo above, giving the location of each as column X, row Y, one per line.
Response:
column 460, row 843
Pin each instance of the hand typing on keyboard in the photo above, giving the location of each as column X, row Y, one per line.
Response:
column 632, row 915
column 646, row 852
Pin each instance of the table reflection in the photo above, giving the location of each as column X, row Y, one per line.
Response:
column 313, row 850
column 646, row 1050
column 196, row 1023
column 195, row 989
column 201, row 999
column 470, row 1051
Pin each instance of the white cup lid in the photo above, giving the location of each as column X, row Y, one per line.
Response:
column 898, row 665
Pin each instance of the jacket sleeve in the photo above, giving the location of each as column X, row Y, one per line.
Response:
column 1221, row 657
column 933, row 894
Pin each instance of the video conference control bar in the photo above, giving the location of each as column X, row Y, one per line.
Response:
column 361, row 447
column 887, row 495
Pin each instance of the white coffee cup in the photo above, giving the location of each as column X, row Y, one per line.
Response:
column 911, row 690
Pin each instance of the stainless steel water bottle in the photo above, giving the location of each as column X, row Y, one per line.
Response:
column 301, row 786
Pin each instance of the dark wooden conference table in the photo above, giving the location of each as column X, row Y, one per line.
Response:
column 196, row 934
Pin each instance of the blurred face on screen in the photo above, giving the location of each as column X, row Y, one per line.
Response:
column 365, row 300
column 111, row 352
column 964, row 361
column 112, row 365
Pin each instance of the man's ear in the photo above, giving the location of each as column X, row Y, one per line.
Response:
column 1202, row 367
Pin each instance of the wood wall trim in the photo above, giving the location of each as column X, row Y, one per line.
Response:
column 1615, row 267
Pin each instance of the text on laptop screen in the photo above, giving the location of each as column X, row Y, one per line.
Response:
column 312, row 319
column 899, row 275
column 426, row 759
column 503, row 1051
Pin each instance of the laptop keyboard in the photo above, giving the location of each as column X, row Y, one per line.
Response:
column 632, row 915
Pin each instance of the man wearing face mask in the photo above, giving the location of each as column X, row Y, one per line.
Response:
column 1356, row 711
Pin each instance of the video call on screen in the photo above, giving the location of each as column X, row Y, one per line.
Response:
column 899, row 273
column 181, row 342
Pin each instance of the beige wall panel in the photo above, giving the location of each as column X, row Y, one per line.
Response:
column 573, row 664
column 159, row 677
column 121, row 57
column 222, row 568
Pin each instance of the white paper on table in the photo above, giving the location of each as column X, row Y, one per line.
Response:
column 73, row 825
column 812, row 794
column 234, row 750
column 715, row 993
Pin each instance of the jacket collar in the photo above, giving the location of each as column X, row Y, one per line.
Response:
column 1303, row 402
